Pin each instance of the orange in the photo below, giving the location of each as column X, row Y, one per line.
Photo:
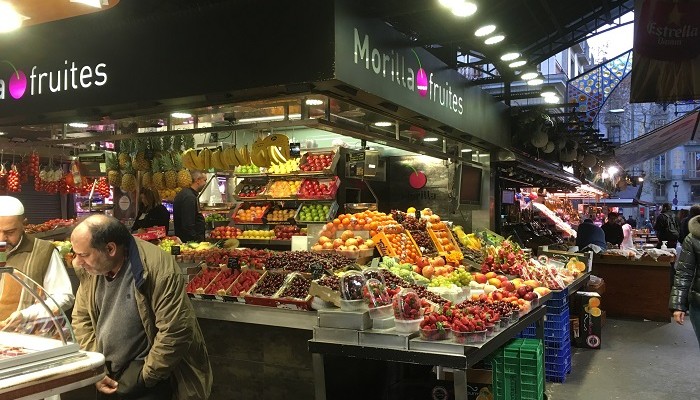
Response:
column 595, row 311
column 594, row 302
column 336, row 221
column 346, row 221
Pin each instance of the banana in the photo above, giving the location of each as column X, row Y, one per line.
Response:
column 216, row 160
column 225, row 160
column 205, row 155
column 278, row 154
column 231, row 157
column 187, row 159
column 246, row 156
column 196, row 159
column 260, row 155
column 281, row 142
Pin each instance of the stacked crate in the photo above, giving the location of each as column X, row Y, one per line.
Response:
column 557, row 339
column 518, row 371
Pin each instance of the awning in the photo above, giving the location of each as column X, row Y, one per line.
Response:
column 525, row 171
column 621, row 203
column 658, row 141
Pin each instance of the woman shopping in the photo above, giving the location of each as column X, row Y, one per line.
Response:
column 151, row 212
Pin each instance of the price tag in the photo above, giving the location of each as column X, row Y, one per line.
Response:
column 316, row 270
column 233, row 263
column 175, row 250
column 375, row 262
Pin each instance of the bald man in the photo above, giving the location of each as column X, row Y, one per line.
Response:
column 188, row 221
column 36, row 258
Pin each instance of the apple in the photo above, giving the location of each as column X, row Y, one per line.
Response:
column 508, row 286
column 495, row 282
column 491, row 274
column 530, row 296
column 489, row 288
column 480, row 278
column 327, row 246
column 502, row 278
column 522, row 291
column 337, row 243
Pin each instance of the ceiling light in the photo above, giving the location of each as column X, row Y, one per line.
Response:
column 10, row 19
column 466, row 150
column 535, row 82
column 182, row 115
column 529, row 75
column 485, row 30
column 267, row 119
column 78, row 125
column 616, row 110
column 510, row 56
column 612, row 170
column 517, row 64
column 547, row 91
column 431, row 139
column 313, row 102
column 449, row 3
column 383, row 123
column 554, row 99
column 494, row 39
column 640, row 179
column 3, row 133
column 463, row 8
column 91, row 3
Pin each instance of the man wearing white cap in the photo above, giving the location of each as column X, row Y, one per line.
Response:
column 36, row 258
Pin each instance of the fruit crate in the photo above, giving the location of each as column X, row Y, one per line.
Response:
column 270, row 189
column 260, row 185
column 247, row 206
column 240, row 298
column 199, row 293
column 386, row 248
column 443, row 238
column 261, row 299
column 267, row 218
column 290, row 302
column 332, row 209
column 330, row 183
column 329, row 170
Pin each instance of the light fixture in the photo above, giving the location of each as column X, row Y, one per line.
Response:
column 91, row 3
column 485, row 30
column 553, row 99
column 640, row 179
column 10, row 19
column 517, row 64
column 383, row 123
column 528, row 75
column 267, row 119
column 2, row 133
column 616, row 110
column 604, row 175
column 466, row 150
column 182, row 115
column 313, row 102
column 510, row 56
column 495, row 39
column 547, row 91
column 535, row 81
column 463, row 8
column 612, row 170
column 431, row 139
column 78, row 125
column 449, row 3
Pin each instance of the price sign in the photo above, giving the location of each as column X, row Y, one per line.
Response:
column 316, row 270
column 175, row 250
column 233, row 263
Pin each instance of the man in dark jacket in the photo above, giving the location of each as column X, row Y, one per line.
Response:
column 589, row 233
column 613, row 230
column 188, row 221
column 694, row 210
column 685, row 293
column 666, row 227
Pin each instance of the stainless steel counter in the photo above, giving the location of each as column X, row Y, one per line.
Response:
column 246, row 313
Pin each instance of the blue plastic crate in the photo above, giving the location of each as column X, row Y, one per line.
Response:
column 529, row 333
column 557, row 303
column 562, row 358
column 550, row 343
column 559, row 378
column 560, row 294
column 562, row 352
column 555, row 321
column 557, row 334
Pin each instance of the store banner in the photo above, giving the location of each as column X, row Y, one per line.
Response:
column 666, row 64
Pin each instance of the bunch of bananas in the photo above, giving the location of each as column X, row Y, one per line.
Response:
column 470, row 241
column 272, row 150
column 218, row 159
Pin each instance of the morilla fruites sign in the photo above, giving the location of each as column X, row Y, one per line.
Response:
column 666, row 51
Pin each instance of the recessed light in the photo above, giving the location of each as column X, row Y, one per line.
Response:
column 466, row 150
column 431, row 139
column 313, row 102
column 535, row 82
column 181, row 115
column 383, row 123
column 510, row 56
column 548, row 91
column 495, row 39
column 463, row 8
column 10, row 19
column 517, row 64
column 552, row 99
column 617, row 110
column 485, row 30
column 529, row 75
column 78, row 125
column 449, row 3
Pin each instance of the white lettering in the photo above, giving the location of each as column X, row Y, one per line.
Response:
column 362, row 50
column 376, row 56
column 85, row 73
column 2, row 89
column 31, row 79
column 100, row 74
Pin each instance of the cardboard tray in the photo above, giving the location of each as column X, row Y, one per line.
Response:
column 201, row 294
column 153, row 233
column 331, row 212
column 328, row 171
column 325, row 293
column 292, row 196
column 247, row 205
column 334, row 181
column 441, row 250
column 275, row 300
column 239, row 299
column 251, row 181
column 385, row 248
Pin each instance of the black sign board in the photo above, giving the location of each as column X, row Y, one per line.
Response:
column 233, row 263
column 356, row 156
column 175, row 250
column 295, row 150
column 316, row 270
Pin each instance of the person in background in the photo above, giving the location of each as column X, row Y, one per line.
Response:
column 590, row 233
column 152, row 212
column 132, row 307
column 666, row 227
column 694, row 211
column 613, row 230
column 627, row 236
column 37, row 259
column 632, row 222
column 685, row 291
column 188, row 221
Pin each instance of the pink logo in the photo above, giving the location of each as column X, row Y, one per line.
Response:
column 421, row 78
column 17, row 83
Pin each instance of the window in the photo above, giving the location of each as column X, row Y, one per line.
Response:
column 657, row 123
column 614, row 133
column 659, row 167
column 695, row 193
column 661, row 190
column 693, row 164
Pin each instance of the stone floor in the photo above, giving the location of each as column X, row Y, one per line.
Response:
column 639, row 360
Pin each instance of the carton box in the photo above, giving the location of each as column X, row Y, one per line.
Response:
column 590, row 320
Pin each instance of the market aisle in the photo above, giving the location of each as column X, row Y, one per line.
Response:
column 639, row 360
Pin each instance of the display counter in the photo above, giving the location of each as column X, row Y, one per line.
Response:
column 635, row 288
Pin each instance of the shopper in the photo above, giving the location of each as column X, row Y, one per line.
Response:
column 132, row 307
column 152, row 212
column 36, row 258
column 685, row 292
column 627, row 235
column 694, row 210
column 632, row 222
column 666, row 227
column 590, row 233
column 188, row 221
column 613, row 230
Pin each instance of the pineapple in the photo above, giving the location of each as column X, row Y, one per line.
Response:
column 157, row 180
column 113, row 175
column 177, row 143
column 147, row 179
column 184, row 179
column 124, row 150
column 167, row 143
column 188, row 141
column 140, row 161
column 170, row 173
column 128, row 179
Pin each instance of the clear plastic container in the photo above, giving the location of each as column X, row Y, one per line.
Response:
column 353, row 305
column 407, row 325
column 382, row 312
column 375, row 294
column 497, row 326
column 476, row 337
column 490, row 330
column 352, row 285
column 435, row 334
column 407, row 305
